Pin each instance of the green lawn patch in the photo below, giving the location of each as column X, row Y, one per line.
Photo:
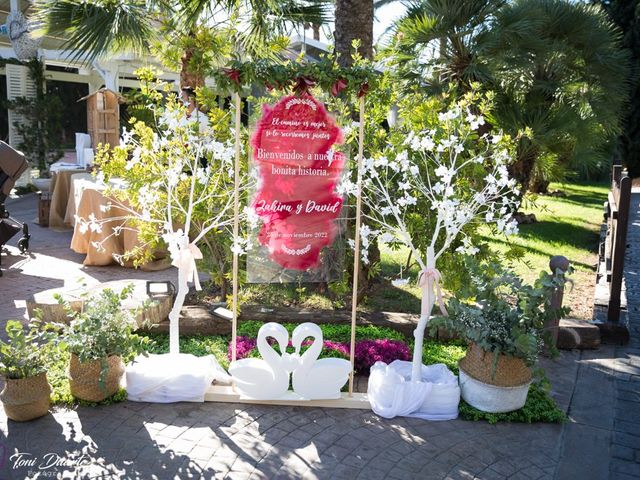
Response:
column 334, row 332
column 566, row 226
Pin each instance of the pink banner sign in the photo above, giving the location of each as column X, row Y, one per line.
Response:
column 299, row 171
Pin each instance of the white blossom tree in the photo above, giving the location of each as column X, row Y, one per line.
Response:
column 462, row 177
column 176, row 183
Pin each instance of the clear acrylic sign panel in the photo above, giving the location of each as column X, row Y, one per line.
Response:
column 297, row 217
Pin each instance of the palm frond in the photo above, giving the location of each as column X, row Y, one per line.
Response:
column 95, row 27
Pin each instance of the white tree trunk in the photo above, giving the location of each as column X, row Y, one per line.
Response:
column 425, row 315
column 174, row 316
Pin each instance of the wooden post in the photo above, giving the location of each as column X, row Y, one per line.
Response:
column 356, row 258
column 236, row 222
column 558, row 265
column 618, row 248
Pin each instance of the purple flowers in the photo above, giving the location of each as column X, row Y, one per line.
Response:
column 367, row 352
column 339, row 347
column 244, row 345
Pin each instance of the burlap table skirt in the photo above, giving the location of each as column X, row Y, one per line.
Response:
column 109, row 243
column 77, row 183
column 60, row 191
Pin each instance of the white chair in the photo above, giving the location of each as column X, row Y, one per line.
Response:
column 83, row 141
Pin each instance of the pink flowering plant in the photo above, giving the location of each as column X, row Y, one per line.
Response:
column 369, row 352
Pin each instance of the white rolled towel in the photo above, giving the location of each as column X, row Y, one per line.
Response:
column 88, row 157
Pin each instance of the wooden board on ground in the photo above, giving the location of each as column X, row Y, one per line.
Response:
column 225, row 393
column 195, row 320
column 51, row 310
column 155, row 309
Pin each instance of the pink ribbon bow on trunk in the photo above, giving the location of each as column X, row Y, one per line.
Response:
column 423, row 282
column 187, row 260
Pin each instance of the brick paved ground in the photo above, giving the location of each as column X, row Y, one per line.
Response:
column 50, row 263
column 625, row 447
column 599, row 389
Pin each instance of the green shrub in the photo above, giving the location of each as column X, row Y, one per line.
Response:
column 103, row 328
column 24, row 353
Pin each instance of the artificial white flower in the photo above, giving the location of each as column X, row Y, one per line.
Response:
column 386, row 237
column 427, row 144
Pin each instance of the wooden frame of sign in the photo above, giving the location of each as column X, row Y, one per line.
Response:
column 227, row 393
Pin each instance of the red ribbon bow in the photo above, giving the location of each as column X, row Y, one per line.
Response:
column 364, row 88
column 232, row 74
column 338, row 86
column 303, row 84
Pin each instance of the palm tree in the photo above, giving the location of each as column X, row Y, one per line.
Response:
column 353, row 21
column 556, row 67
column 564, row 77
column 439, row 40
column 93, row 28
column 626, row 14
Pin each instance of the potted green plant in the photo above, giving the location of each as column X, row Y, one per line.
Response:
column 503, row 321
column 23, row 365
column 101, row 341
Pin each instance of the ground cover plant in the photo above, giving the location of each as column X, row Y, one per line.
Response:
column 540, row 406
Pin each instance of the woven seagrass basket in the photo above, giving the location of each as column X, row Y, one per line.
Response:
column 26, row 398
column 84, row 378
column 510, row 371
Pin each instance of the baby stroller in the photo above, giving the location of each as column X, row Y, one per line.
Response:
column 12, row 165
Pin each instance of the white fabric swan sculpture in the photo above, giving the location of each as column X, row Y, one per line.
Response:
column 266, row 378
column 316, row 379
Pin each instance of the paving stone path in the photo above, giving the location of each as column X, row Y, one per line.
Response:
column 600, row 390
column 625, row 446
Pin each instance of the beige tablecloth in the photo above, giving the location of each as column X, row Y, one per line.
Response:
column 77, row 184
column 102, row 246
column 60, row 190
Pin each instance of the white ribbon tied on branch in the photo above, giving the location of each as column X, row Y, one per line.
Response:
column 434, row 275
column 186, row 261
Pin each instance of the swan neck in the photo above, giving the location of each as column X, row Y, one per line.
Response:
column 312, row 353
column 266, row 351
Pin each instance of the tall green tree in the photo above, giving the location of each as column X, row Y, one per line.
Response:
column 353, row 21
column 626, row 14
column 556, row 67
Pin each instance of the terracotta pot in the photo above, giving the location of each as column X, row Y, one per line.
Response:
column 502, row 390
column 26, row 398
column 84, row 378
